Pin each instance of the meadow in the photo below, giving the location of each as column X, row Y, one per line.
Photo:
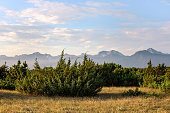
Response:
column 110, row 99
column 84, row 87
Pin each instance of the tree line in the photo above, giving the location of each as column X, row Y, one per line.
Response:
column 80, row 79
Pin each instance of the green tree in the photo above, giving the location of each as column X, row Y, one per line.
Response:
column 36, row 65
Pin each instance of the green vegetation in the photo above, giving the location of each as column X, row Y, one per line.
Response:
column 80, row 79
column 131, row 92
column 116, row 75
column 64, row 80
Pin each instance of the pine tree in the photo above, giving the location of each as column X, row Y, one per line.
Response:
column 36, row 65
column 149, row 64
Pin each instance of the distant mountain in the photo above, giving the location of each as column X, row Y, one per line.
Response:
column 34, row 55
column 153, row 51
column 139, row 59
column 110, row 53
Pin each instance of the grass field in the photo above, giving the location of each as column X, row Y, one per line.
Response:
column 109, row 100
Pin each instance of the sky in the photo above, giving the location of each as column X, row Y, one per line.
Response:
column 83, row 26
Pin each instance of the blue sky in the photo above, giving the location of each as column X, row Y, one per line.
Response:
column 78, row 26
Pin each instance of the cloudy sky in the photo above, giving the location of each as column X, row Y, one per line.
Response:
column 78, row 26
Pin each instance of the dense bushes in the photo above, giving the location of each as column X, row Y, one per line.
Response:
column 165, row 84
column 8, row 76
column 65, row 80
column 156, row 77
column 80, row 79
column 115, row 75
column 6, row 80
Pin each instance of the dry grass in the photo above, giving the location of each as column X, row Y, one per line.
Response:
column 109, row 100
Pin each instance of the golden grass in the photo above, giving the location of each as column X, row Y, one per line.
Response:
column 109, row 100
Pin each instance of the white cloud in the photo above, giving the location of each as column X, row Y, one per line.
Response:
column 100, row 47
column 104, row 4
column 45, row 39
column 35, row 1
column 22, row 34
column 8, row 36
column 82, row 39
column 87, row 46
column 3, row 22
column 146, row 34
column 87, row 42
column 118, row 4
column 35, row 38
column 28, row 48
column 32, row 32
column 61, row 33
column 97, row 4
column 123, row 14
column 130, row 40
column 60, row 13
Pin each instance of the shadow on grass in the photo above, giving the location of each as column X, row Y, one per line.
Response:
column 100, row 96
column 12, row 95
column 15, row 95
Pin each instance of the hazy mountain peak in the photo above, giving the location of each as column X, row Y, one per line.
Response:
column 153, row 51
column 3, row 56
column 116, row 53
column 39, row 55
column 112, row 52
column 36, row 53
column 149, row 51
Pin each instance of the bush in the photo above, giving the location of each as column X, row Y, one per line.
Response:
column 156, row 77
column 130, row 92
column 165, row 85
column 114, row 75
column 65, row 80
column 6, row 82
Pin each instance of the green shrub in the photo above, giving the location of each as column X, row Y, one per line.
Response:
column 6, row 82
column 165, row 85
column 156, row 77
column 114, row 75
column 65, row 80
column 130, row 92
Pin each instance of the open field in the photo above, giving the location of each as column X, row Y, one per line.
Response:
column 109, row 100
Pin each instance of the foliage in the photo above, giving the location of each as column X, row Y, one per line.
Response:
column 65, row 80
column 131, row 92
column 165, row 85
column 80, row 79
column 114, row 75
column 3, row 75
column 156, row 77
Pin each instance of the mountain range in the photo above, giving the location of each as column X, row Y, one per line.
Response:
column 139, row 59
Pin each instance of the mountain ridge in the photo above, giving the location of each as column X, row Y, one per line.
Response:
column 150, row 50
column 138, row 59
